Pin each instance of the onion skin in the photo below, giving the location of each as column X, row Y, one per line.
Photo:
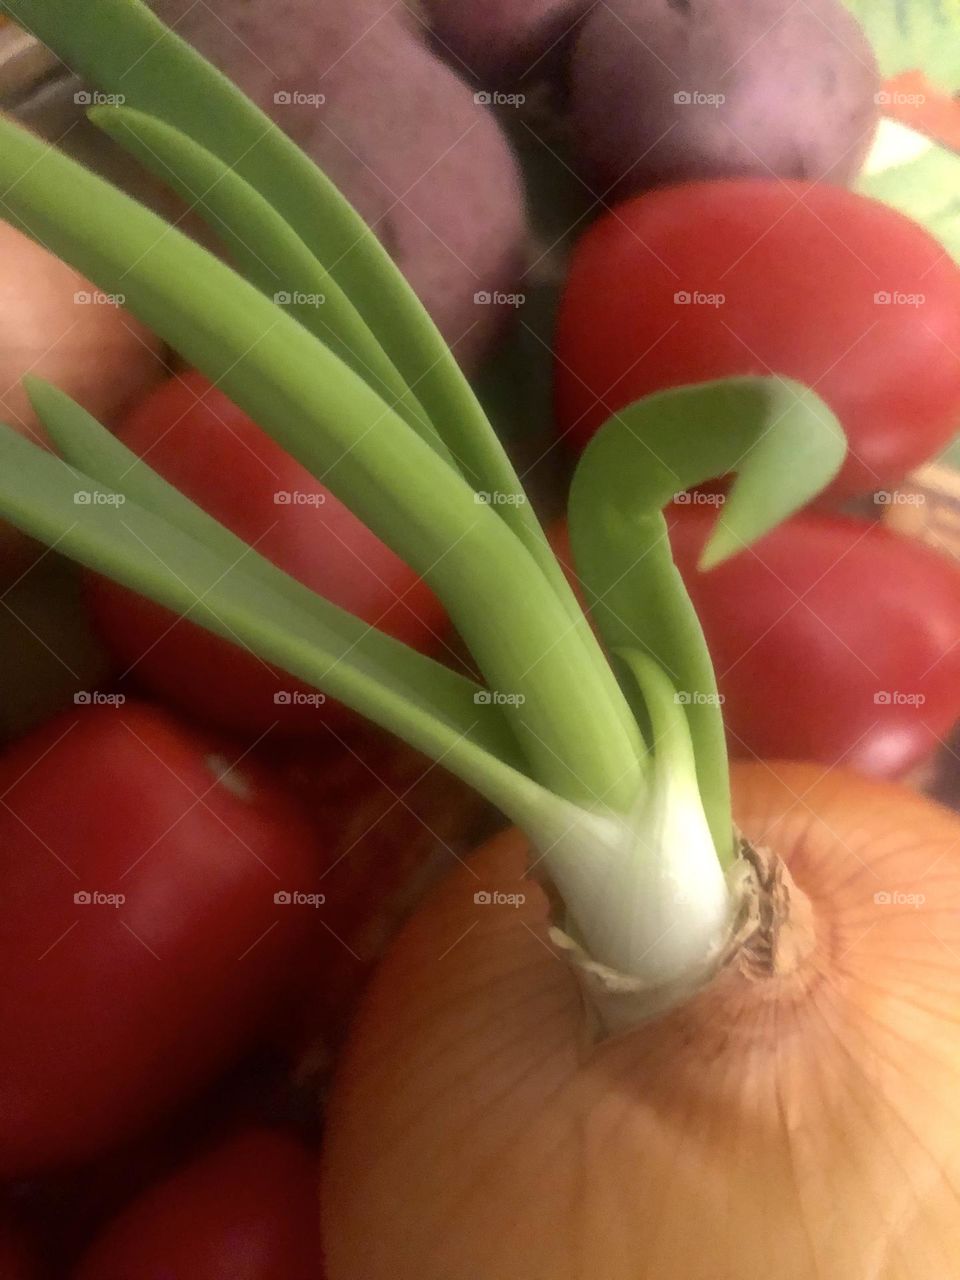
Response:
column 792, row 1127
column 94, row 351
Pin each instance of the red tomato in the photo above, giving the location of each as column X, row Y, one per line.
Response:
column 246, row 1210
column 833, row 640
column 200, row 441
column 15, row 1263
column 716, row 279
column 140, row 941
column 395, row 823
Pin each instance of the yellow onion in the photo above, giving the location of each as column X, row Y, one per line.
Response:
column 797, row 1119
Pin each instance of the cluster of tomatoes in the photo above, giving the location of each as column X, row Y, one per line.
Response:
column 202, row 859
column 834, row 639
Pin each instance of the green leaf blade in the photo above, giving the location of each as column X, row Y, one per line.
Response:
column 266, row 251
column 103, row 530
column 94, row 451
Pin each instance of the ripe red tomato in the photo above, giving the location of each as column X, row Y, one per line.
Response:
column 715, row 279
column 395, row 824
column 140, row 940
column 200, row 441
column 246, row 1210
column 15, row 1264
column 833, row 640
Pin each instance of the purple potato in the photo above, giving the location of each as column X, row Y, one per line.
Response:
column 499, row 41
column 670, row 90
column 404, row 139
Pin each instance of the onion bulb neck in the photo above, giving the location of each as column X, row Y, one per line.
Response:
column 643, row 909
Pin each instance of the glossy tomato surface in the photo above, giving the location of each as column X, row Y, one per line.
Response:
column 140, row 939
column 201, row 442
column 247, row 1210
column 714, row 279
column 833, row 640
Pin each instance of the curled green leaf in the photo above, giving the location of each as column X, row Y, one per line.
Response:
column 784, row 445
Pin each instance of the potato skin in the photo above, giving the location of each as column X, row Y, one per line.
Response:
column 499, row 41
column 426, row 166
column 798, row 83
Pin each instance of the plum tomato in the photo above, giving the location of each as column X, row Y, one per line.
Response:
column 717, row 279
column 156, row 898
column 245, row 1210
column 833, row 639
column 395, row 824
column 201, row 442
column 15, row 1262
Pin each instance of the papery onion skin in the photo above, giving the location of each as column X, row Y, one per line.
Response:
column 804, row 1127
